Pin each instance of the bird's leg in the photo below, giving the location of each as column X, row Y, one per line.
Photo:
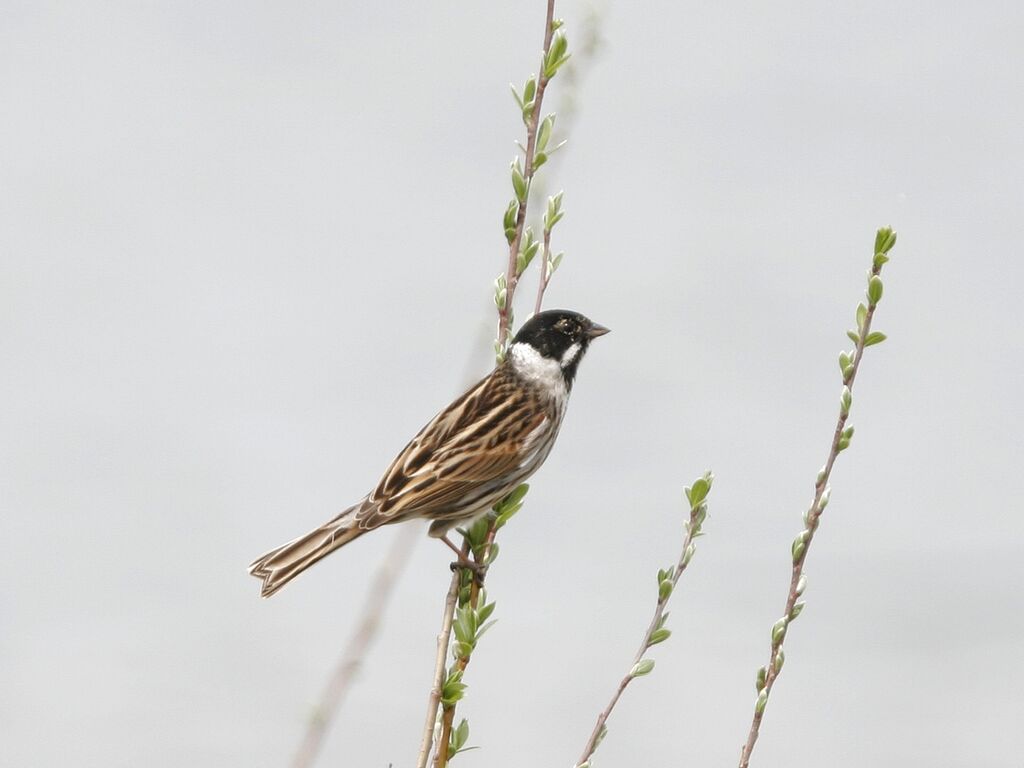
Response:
column 478, row 569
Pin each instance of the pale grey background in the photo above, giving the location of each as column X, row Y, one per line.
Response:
column 246, row 251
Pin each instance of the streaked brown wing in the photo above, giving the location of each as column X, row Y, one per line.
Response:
column 470, row 446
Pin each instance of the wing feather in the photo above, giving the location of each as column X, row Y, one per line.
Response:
column 470, row 448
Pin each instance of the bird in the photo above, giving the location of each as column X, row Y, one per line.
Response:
column 469, row 456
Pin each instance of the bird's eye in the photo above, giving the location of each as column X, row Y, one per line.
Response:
column 563, row 325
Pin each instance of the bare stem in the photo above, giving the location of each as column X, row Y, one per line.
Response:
column 685, row 555
column 511, row 273
column 812, row 517
column 443, row 638
column 352, row 658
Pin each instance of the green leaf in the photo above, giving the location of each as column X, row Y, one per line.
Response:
column 875, row 289
column 642, row 667
column 509, row 221
column 862, row 315
column 875, row 337
column 844, row 362
column 885, row 239
column 697, row 492
column 492, row 554
column 544, row 132
column 797, row 610
column 854, row 336
column 484, row 612
column 484, row 628
column 880, row 238
column 530, row 89
column 517, row 495
column 664, row 590
column 659, row 636
column 518, row 182
column 460, row 736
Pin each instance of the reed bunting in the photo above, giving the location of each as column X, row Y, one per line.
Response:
column 470, row 455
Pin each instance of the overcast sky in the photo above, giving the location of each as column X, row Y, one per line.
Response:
column 246, row 251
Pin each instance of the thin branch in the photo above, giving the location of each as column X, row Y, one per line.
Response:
column 441, row 756
column 352, row 657
column 768, row 674
column 483, row 549
column 443, row 638
column 511, row 273
column 655, row 630
column 545, row 276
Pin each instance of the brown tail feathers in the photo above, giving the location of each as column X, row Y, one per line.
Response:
column 281, row 565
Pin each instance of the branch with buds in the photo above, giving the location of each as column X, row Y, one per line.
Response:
column 696, row 496
column 522, row 244
column 467, row 612
column 849, row 363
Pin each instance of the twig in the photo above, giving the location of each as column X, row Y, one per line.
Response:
column 545, row 275
column 849, row 364
column 443, row 638
column 352, row 658
column 656, row 633
column 511, row 272
column 448, row 715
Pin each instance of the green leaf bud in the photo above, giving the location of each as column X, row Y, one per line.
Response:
column 779, row 631
column 544, row 132
column 875, row 337
column 797, row 610
column 688, row 554
column 824, row 499
column 762, row 701
column 799, row 545
column 664, row 590
column 518, row 182
column 530, row 89
column 642, row 667
column 875, row 289
column 762, row 677
column 697, row 492
column 659, row 636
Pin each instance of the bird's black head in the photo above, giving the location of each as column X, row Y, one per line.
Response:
column 561, row 336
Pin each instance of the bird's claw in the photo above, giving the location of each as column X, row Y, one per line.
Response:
column 479, row 570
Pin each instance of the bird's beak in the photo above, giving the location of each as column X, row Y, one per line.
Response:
column 596, row 330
